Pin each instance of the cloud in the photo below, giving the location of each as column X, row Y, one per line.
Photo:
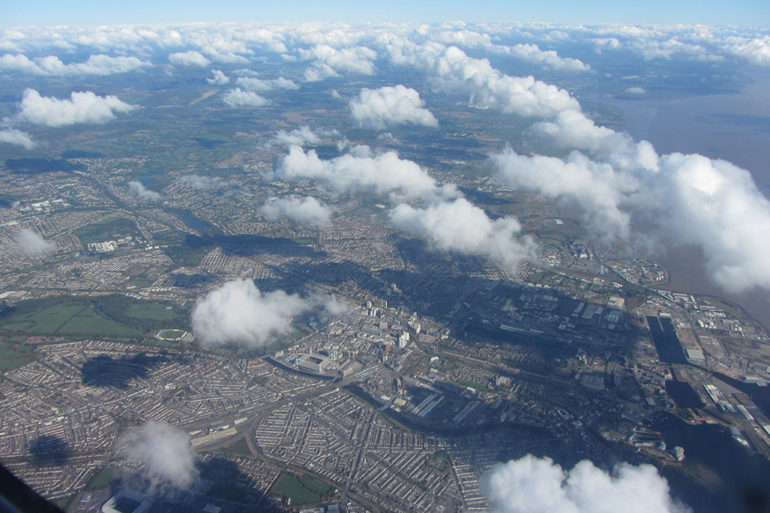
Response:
column 716, row 205
column 595, row 186
column 548, row 58
column 261, row 85
column 239, row 98
column 239, row 313
column 82, row 107
column 99, row 64
column 684, row 199
column 18, row 62
column 463, row 37
column 138, row 190
column 461, row 227
column 527, row 52
column 488, row 87
column 201, row 183
column 695, row 43
column 189, row 58
column 382, row 173
column 319, row 71
column 298, row 137
column 533, row 485
column 218, row 78
column 388, row 106
column 452, row 69
column 572, row 129
column 755, row 50
column 306, row 210
column 329, row 61
column 636, row 90
column 165, row 454
column 668, row 49
column 13, row 136
column 32, row 244
column 332, row 305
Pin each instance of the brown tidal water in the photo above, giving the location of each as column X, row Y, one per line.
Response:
column 730, row 126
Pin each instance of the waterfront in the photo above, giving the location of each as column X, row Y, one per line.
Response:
column 718, row 473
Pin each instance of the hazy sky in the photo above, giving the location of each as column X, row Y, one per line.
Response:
column 755, row 13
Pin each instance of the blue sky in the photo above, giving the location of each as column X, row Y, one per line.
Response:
column 754, row 13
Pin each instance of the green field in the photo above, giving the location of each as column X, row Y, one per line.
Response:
column 107, row 229
column 570, row 229
column 151, row 310
column 183, row 248
column 78, row 318
column 107, row 316
column 301, row 490
column 103, row 479
column 13, row 354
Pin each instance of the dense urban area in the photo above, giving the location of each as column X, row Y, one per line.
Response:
column 437, row 368
column 405, row 372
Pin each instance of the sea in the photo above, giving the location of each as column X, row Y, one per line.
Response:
column 733, row 126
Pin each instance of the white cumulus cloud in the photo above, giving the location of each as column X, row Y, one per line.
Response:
column 263, row 85
column 200, row 182
column 32, row 244
column 164, row 453
column 189, row 58
column 595, row 186
column 717, row 205
column 382, row 173
column 13, row 136
column 218, row 78
column 529, row 52
column 82, row 107
column 329, row 61
column 138, row 190
column 488, row 87
column 239, row 313
column 548, row 58
column 388, row 106
column 461, row 227
column 534, row 485
column 755, row 50
column 306, row 210
column 298, row 137
column 239, row 98
column 98, row 64
column 572, row 129
column 685, row 199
